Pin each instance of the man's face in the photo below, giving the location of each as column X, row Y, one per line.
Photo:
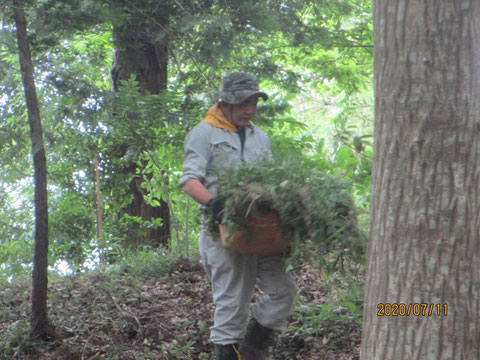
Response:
column 241, row 114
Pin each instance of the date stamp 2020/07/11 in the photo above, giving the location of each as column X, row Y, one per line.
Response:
column 417, row 309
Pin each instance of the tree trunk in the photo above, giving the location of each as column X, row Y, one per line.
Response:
column 99, row 211
column 146, row 58
column 40, row 327
column 425, row 244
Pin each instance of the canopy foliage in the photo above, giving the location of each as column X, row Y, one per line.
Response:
column 313, row 57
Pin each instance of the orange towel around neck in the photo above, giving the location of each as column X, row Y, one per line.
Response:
column 216, row 118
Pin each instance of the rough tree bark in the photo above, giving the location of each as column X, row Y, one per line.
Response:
column 425, row 209
column 147, row 58
column 40, row 327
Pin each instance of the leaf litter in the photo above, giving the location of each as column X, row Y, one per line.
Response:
column 127, row 317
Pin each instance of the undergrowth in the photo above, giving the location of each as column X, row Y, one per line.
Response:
column 333, row 321
column 158, row 306
column 145, row 263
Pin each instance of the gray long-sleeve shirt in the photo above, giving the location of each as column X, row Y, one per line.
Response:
column 209, row 149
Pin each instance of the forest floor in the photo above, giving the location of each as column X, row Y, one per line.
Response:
column 122, row 316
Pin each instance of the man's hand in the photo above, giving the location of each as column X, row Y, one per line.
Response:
column 215, row 207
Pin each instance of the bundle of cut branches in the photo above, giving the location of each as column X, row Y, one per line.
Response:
column 315, row 210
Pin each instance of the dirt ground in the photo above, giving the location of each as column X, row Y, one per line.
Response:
column 125, row 317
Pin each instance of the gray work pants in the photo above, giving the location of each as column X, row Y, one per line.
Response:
column 234, row 277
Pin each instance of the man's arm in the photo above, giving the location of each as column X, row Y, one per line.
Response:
column 197, row 191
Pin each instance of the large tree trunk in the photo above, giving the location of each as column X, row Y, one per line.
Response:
column 39, row 320
column 425, row 243
column 146, row 58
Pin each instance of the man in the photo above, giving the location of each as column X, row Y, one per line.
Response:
column 226, row 138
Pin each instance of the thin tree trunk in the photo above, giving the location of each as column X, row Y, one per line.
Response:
column 99, row 211
column 425, row 210
column 39, row 320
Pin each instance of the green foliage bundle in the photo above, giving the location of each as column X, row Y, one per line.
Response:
column 315, row 210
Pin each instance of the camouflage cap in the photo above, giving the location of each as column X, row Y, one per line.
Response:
column 239, row 86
